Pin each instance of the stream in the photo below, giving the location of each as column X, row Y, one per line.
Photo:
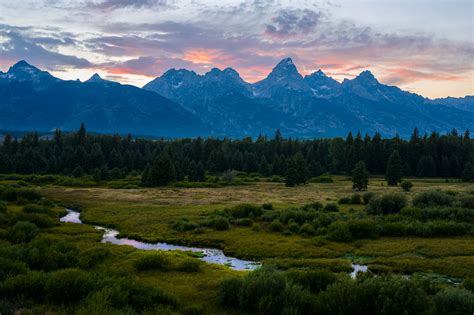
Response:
column 210, row 255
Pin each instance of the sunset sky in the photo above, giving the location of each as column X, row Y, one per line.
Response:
column 424, row 46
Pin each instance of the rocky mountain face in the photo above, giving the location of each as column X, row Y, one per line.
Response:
column 183, row 103
column 312, row 106
column 31, row 99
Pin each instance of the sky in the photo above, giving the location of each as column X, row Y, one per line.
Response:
column 423, row 46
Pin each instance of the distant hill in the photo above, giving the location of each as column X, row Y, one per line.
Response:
column 31, row 99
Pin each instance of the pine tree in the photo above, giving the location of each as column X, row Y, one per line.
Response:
column 200, row 172
column 393, row 175
column 78, row 172
column 96, row 175
column 196, row 172
column 315, row 169
column 468, row 173
column 291, row 178
column 302, row 173
column 160, row 172
column 426, row 166
column 360, row 176
column 445, row 167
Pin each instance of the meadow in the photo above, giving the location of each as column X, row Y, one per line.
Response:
column 149, row 213
column 191, row 216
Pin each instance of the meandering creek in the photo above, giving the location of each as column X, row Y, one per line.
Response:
column 209, row 255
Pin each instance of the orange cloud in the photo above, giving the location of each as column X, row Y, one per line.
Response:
column 403, row 75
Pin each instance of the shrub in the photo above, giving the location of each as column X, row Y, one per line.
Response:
column 339, row 231
column 244, row 222
column 32, row 208
column 322, row 179
column 356, row 199
column 3, row 207
column 229, row 291
column 313, row 206
column 51, row 254
column 468, row 283
column 189, row 265
column 126, row 293
column 220, row 223
column 267, row 206
column 331, row 207
column 276, row 226
column 10, row 267
column 454, row 301
column 344, row 200
column 150, row 261
column 30, row 286
column 261, row 291
column 406, row 185
column 394, row 229
column 433, row 198
column 313, row 280
column 386, row 204
column 392, row 295
column 447, row 228
column 22, row 232
column 293, row 226
column 367, row 196
column 245, row 211
column 363, row 228
column 92, row 257
column 412, row 212
column 465, row 201
column 68, row 286
column 307, row 229
column 184, row 225
column 40, row 220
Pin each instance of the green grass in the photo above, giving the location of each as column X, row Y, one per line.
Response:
column 147, row 214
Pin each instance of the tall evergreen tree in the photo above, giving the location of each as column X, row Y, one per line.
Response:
column 468, row 173
column 394, row 172
column 291, row 178
column 301, row 169
column 360, row 176
column 160, row 172
column 426, row 166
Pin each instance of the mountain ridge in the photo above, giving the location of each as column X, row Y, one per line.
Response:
column 219, row 102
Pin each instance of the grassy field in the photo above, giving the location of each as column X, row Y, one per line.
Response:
column 147, row 214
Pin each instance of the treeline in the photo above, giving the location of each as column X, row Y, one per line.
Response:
column 162, row 161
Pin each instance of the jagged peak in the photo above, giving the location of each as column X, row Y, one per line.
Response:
column 95, row 78
column 318, row 73
column 286, row 62
column 174, row 71
column 366, row 76
column 22, row 64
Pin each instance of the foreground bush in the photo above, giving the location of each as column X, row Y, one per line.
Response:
column 150, row 261
column 432, row 198
column 245, row 211
column 339, row 231
column 22, row 232
column 454, row 301
column 68, row 286
column 386, row 204
column 265, row 291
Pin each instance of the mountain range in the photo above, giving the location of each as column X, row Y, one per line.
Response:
column 182, row 103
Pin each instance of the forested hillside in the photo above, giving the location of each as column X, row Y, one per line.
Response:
column 449, row 155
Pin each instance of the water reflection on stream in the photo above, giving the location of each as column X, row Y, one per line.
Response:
column 210, row 255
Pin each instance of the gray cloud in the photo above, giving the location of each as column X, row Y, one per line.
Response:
column 293, row 22
column 21, row 43
column 119, row 4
